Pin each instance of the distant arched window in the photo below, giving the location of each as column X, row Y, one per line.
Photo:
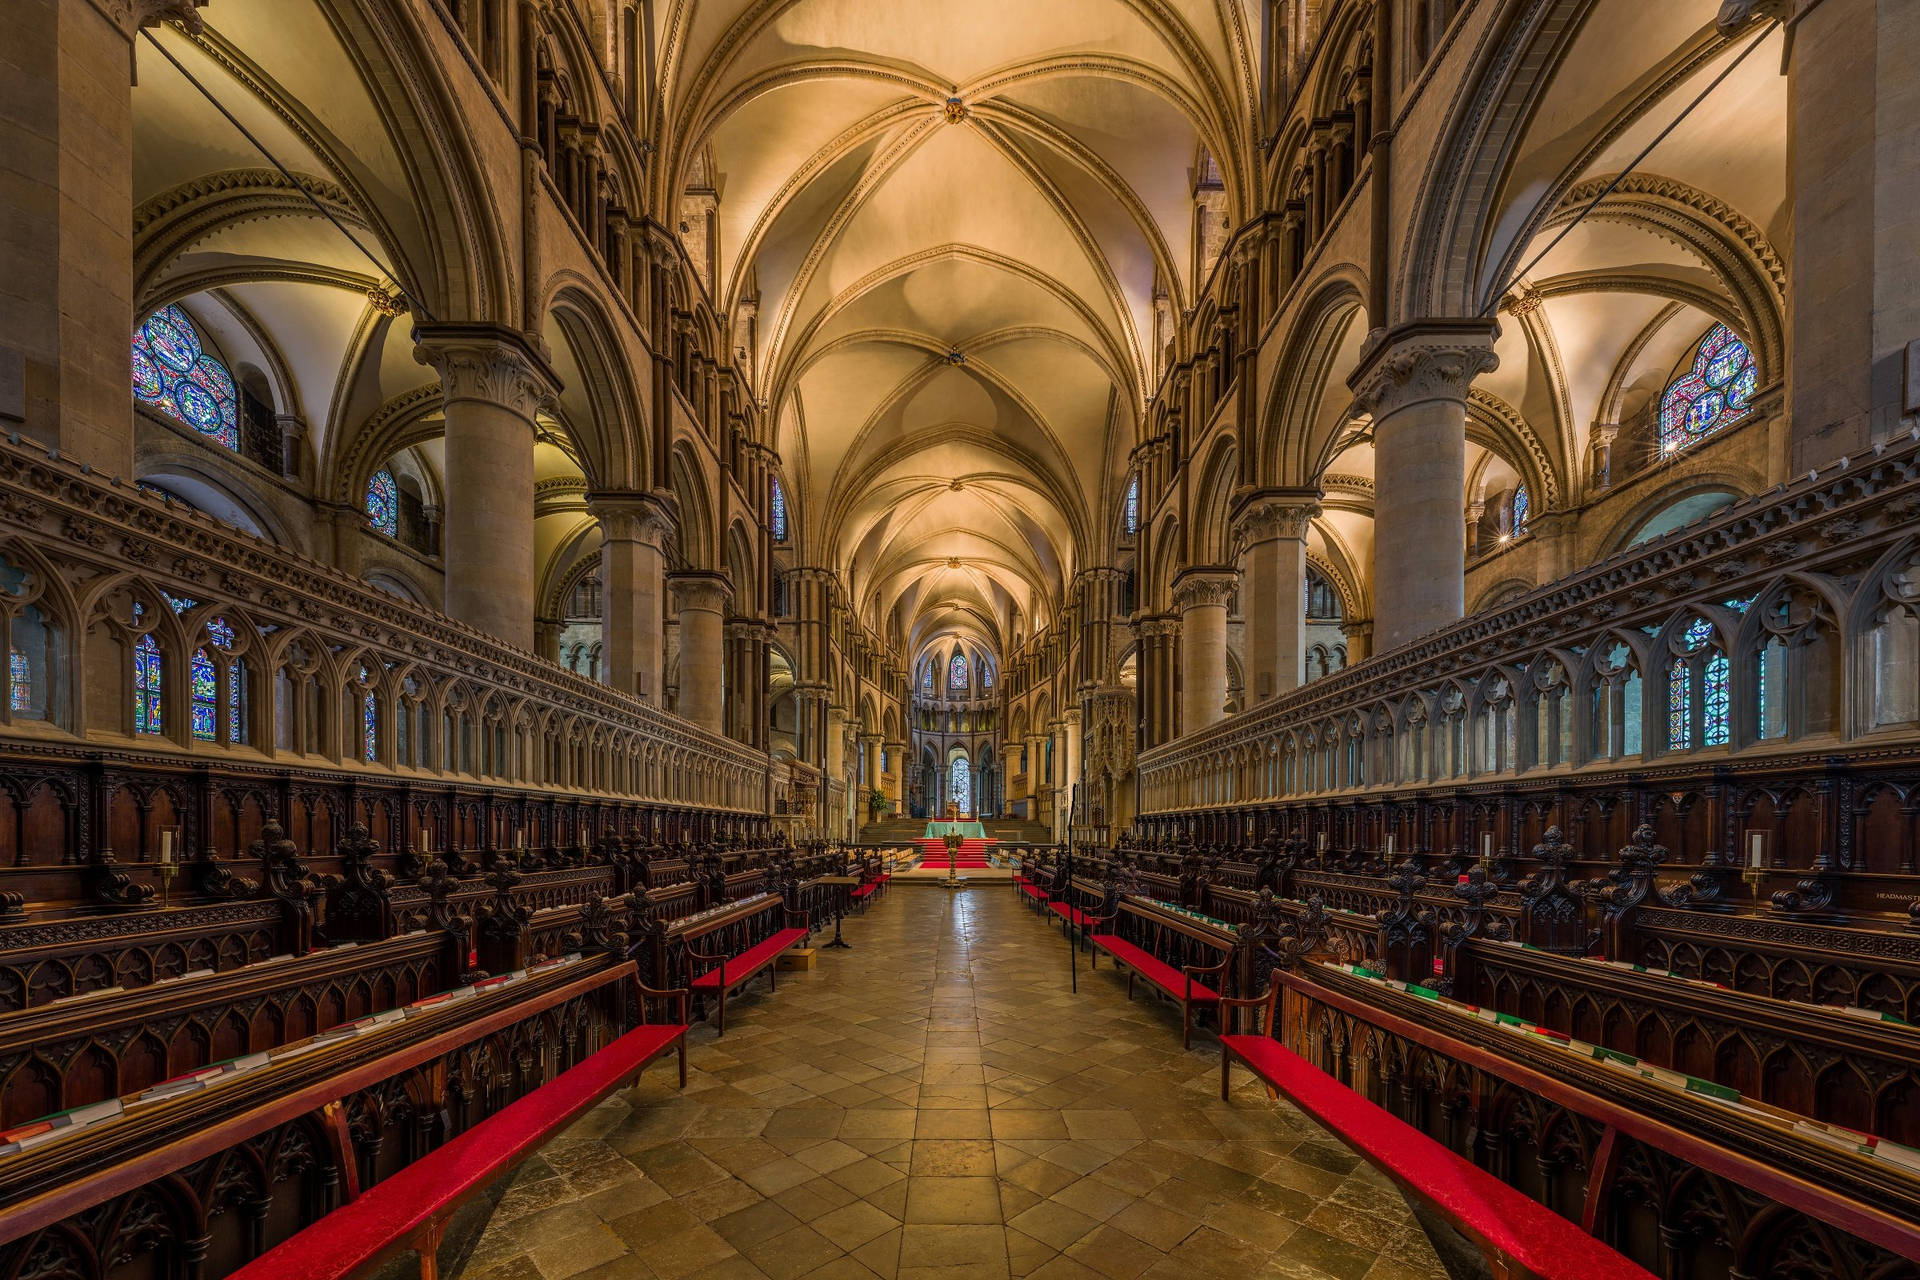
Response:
column 926, row 676
column 960, row 785
column 986, row 676
column 957, row 672
column 383, row 503
column 779, row 517
column 1518, row 524
column 1715, row 392
column 20, row 678
column 173, row 372
column 1131, row 511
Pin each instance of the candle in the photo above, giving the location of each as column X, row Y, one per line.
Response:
column 1323, row 840
column 520, row 838
column 1389, row 844
column 1757, row 844
column 1486, row 844
column 166, row 847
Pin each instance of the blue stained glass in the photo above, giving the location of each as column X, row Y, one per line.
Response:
column 20, row 677
column 1520, row 505
column 146, row 686
column 1132, row 509
column 778, row 520
column 221, row 633
column 957, row 672
column 179, row 604
column 986, row 676
column 370, row 724
column 926, row 676
column 1716, row 391
column 960, row 784
column 1714, row 702
column 206, row 696
column 173, row 372
column 383, row 502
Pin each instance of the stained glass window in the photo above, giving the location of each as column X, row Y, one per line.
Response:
column 986, row 676
column 1680, row 692
column 1520, row 505
column 1716, row 391
column 960, row 784
column 1132, row 508
column 221, row 633
column 1714, row 701
column 146, row 686
column 20, row 680
column 778, row 521
column 957, row 672
column 206, row 697
column 174, row 372
column 926, row 676
column 370, row 728
column 383, row 503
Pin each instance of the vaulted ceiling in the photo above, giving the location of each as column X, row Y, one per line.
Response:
column 954, row 221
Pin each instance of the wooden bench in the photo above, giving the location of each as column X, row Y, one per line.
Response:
column 410, row 1209
column 1520, row 1238
column 1176, row 980
column 721, row 973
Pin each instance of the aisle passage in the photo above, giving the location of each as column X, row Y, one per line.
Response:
column 938, row 1103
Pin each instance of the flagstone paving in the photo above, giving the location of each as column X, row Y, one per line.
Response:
column 937, row 1102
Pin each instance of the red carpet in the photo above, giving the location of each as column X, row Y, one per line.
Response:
column 972, row 854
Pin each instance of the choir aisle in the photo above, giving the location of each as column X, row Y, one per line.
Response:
column 937, row 1103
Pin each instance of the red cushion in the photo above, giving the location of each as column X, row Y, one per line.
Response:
column 864, row 891
column 1464, row 1193
column 358, row 1233
column 739, row 968
column 1066, row 912
column 1159, row 973
column 1033, row 891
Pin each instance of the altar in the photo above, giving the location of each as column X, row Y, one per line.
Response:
column 965, row 830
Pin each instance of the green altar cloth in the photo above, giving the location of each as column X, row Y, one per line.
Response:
column 965, row 830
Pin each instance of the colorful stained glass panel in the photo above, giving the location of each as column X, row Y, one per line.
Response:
column 779, row 516
column 174, row 372
column 146, row 686
column 957, row 672
column 1132, row 514
column 20, row 681
column 383, row 503
column 1715, row 392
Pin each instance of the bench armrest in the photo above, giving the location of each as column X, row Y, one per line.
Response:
column 805, row 917
column 1196, row 970
column 679, row 995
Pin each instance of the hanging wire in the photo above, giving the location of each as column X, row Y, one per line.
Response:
column 1493, row 302
column 414, row 305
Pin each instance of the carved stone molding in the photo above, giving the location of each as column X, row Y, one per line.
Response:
column 700, row 590
column 1204, row 588
column 1269, row 515
column 487, row 364
column 634, row 517
column 1425, row 360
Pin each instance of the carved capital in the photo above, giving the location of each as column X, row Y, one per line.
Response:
column 487, row 364
column 1203, row 588
column 131, row 15
column 700, row 590
column 1422, row 361
column 633, row 517
column 1268, row 515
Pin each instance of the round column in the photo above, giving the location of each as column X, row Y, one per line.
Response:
column 1272, row 533
column 702, row 600
column 634, row 529
column 492, row 382
column 1201, row 596
column 1415, row 382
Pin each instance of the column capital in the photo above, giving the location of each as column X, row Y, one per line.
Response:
column 700, row 589
column 1357, row 627
column 1204, row 586
column 132, row 15
column 488, row 363
column 631, row 516
column 1264, row 515
column 1157, row 626
column 1423, row 360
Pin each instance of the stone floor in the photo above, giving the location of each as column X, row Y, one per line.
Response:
column 938, row 1103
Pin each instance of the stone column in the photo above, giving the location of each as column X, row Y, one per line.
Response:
column 1414, row 381
column 1272, row 534
column 1359, row 634
column 1853, row 179
column 492, row 381
column 702, row 600
column 1201, row 596
column 1070, row 730
column 66, row 181
column 634, row 529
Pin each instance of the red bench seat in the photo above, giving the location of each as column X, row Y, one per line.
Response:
column 410, row 1208
column 737, row 970
column 1519, row 1236
column 1072, row 914
column 866, row 890
column 1033, row 890
column 1174, row 982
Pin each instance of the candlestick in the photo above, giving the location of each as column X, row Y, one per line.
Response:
column 1757, row 848
column 166, row 846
